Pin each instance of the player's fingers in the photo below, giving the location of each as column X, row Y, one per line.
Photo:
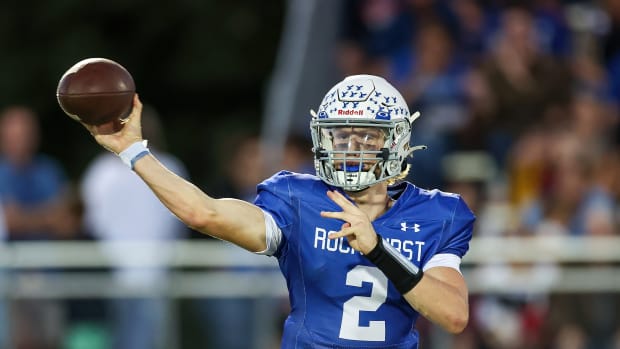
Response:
column 338, row 215
column 345, row 231
column 136, row 112
column 137, row 104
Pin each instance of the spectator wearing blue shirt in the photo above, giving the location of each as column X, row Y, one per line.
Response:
column 33, row 192
column 33, row 186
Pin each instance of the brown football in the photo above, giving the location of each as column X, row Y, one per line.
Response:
column 96, row 91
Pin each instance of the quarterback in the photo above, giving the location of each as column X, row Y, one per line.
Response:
column 364, row 253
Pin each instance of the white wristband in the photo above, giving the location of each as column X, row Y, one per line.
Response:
column 134, row 153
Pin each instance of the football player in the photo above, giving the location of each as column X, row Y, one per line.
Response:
column 364, row 253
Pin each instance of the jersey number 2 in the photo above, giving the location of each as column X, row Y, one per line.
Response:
column 350, row 327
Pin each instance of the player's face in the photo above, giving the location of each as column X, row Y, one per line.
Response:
column 349, row 143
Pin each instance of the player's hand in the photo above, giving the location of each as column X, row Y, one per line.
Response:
column 357, row 227
column 129, row 133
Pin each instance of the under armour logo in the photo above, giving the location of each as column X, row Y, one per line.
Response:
column 404, row 227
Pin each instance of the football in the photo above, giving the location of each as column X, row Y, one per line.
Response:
column 97, row 91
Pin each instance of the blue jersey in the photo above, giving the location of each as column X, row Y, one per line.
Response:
column 338, row 298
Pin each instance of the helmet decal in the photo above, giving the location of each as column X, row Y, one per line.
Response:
column 361, row 133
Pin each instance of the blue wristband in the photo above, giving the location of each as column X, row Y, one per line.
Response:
column 133, row 153
column 138, row 157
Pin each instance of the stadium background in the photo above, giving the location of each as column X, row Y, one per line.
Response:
column 217, row 71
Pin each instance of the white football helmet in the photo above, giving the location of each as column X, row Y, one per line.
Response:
column 361, row 133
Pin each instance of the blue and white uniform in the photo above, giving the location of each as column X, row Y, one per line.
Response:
column 338, row 298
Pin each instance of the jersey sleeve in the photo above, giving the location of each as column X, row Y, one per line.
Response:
column 274, row 197
column 456, row 239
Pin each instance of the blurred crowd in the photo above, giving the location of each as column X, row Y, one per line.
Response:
column 520, row 112
column 110, row 204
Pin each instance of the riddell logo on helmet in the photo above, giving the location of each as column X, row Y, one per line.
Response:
column 350, row 112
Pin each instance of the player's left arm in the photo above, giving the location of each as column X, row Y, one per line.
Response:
column 442, row 297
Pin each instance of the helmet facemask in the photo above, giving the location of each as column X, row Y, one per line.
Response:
column 355, row 154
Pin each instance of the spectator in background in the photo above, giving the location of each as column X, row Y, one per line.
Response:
column 573, row 200
column 554, row 35
column 33, row 186
column 35, row 199
column 297, row 155
column 223, row 319
column 581, row 202
column 524, row 81
column 432, row 78
column 372, row 32
column 570, row 202
column 243, row 169
column 475, row 24
column 119, row 207
column 591, row 82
